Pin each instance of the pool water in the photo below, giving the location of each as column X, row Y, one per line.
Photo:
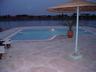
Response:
column 41, row 34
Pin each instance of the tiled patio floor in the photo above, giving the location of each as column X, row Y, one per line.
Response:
column 50, row 56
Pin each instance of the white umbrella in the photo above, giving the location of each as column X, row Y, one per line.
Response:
column 78, row 5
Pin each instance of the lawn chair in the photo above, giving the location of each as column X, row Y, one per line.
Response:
column 2, row 51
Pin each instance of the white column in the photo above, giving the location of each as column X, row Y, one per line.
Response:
column 77, row 27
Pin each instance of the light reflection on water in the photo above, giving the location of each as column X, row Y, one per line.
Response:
column 13, row 24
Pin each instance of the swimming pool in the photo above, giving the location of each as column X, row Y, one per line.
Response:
column 42, row 34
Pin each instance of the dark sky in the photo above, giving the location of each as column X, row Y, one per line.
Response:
column 30, row 7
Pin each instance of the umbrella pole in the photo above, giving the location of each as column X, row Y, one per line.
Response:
column 77, row 27
column 76, row 54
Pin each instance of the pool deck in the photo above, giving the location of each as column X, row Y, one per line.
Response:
column 50, row 56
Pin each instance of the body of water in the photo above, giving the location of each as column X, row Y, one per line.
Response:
column 13, row 24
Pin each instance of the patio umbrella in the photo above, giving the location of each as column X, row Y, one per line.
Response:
column 75, row 5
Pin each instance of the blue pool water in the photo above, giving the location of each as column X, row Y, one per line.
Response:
column 41, row 34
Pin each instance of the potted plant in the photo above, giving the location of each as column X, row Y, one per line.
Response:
column 70, row 31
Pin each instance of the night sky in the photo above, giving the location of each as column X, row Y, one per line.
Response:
column 29, row 7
